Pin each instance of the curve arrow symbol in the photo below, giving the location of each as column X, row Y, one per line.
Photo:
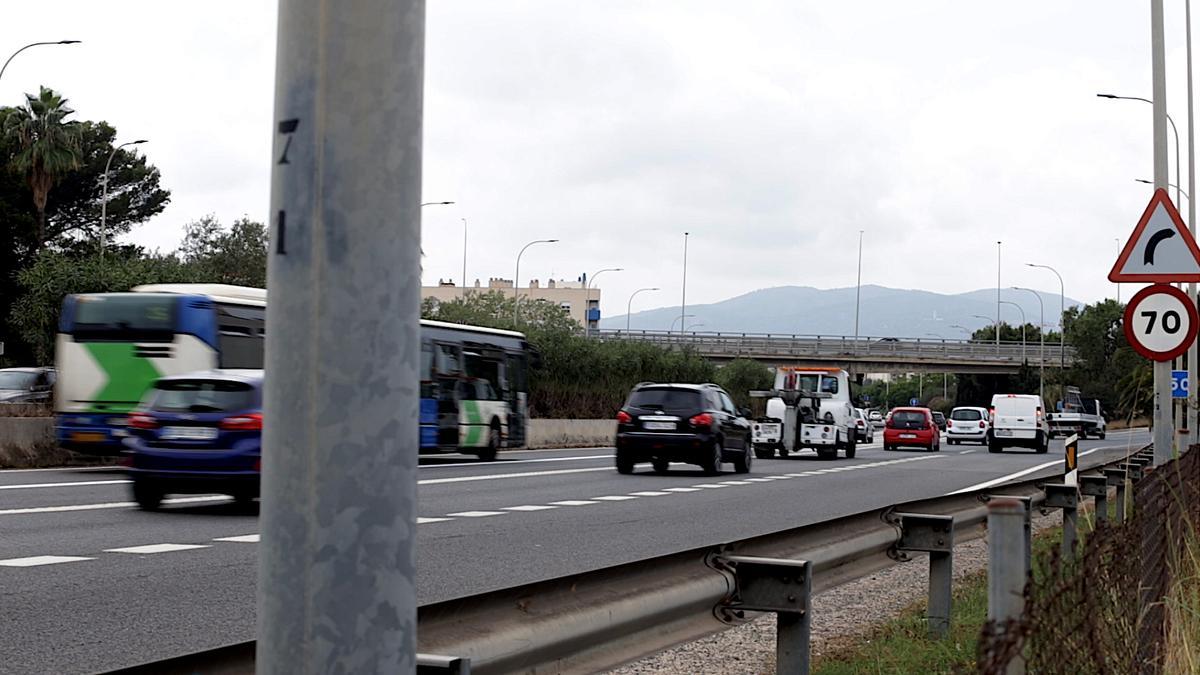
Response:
column 1153, row 242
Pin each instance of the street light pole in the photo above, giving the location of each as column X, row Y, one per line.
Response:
column 1062, row 311
column 684, row 317
column 683, row 298
column 1023, row 322
column 1192, row 353
column 587, row 295
column 104, row 198
column 33, row 44
column 989, row 320
column 1163, row 428
column 1042, row 340
column 858, row 290
column 517, row 280
column 464, row 274
column 1174, row 130
column 629, row 307
column 998, row 245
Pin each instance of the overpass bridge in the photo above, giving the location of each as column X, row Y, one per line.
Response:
column 858, row 355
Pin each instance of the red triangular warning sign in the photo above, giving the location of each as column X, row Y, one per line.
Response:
column 1161, row 249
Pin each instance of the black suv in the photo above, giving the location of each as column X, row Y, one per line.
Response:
column 690, row 423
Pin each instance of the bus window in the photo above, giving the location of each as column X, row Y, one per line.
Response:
column 448, row 360
column 132, row 317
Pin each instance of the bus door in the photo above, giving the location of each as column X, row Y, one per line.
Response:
column 448, row 366
column 516, row 393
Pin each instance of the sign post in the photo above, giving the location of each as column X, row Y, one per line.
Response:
column 1160, row 321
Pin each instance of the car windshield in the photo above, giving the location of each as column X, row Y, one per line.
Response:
column 939, row 417
column 200, row 396
column 666, row 399
column 966, row 415
column 17, row 379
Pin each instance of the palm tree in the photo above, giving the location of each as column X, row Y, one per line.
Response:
column 47, row 146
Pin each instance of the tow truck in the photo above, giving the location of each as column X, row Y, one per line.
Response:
column 808, row 408
column 1077, row 415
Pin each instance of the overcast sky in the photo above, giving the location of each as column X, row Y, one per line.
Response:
column 772, row 131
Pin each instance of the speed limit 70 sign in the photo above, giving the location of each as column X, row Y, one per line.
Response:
column 1160, row 322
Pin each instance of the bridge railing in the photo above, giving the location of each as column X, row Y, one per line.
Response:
column 777, row 345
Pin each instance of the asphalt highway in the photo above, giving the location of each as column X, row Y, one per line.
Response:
column 89, row 583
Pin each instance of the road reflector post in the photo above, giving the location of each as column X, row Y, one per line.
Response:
column 1118, row 478
column 1065, row 497
column 933, row 535
column 1071, row 474
column 1008, row 558
column 337, row 570
column 1096, row 486
column 780, row 586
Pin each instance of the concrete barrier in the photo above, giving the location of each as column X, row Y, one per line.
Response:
column 25, row 432
column 571, row 433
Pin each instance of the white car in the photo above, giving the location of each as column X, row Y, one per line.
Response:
column 967, row 424
column 1019, row 420
column 876, row 418
column 864, row 431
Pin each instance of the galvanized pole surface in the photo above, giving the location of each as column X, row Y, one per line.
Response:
column 337, row 576
column 1164, row 431
column 1192, row 354
column 793, row 634
column 858, row 290
column 998, row 297
column 1007, row 563
column 1070, row 524
column 941, row 583
column 464, row 275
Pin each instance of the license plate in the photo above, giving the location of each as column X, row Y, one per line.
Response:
column 659, row 426
column 1004, row 432
column 769, row 429
column 188, row 434
column 87, row 437
column 908, row 435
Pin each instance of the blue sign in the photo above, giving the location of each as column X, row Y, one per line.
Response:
column 1180, row 386
column 866, row 398
column 914, row 401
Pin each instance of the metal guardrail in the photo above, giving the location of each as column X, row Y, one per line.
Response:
column 600, row 619
column 799, row 346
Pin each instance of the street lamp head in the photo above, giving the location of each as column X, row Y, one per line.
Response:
column 551, row 241
column 1143, row 180
column 1107, row 96
column 69, row 42
column 139, row 141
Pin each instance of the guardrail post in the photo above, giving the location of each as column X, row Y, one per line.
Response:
column 1117, row 478
column 1065, row 497
column 1007, row 564
column 1027, row 504
column 934, row 535
column 785, row 588
column 1096, row 486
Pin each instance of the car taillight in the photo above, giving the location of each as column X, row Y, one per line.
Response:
column 142, row 421
column 1039, row 412
column 258, row 465
column 982, row 424
column 624, row 418
column 251, row 422
column 702, row 421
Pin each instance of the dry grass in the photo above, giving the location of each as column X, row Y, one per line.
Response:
column 46, row 454
column 1182, row 652
column 25, row 410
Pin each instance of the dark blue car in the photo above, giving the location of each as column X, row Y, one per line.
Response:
column 197, row 433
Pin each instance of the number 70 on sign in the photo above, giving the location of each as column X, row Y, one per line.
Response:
column 1160, row 322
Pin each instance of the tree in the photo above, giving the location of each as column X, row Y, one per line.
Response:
column 739, row 377
column 1105, row 365
column 47, row 147
column 55, row 275
column 234, row 256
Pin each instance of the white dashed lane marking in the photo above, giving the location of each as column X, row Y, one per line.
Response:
column 74, row 483
column 574, row 502
column 422, row 521
column 39, row 560
column 681, row 489
column 615, row 498
column 156, row 548
column 109, row 505
column 530, row 507
column 475, row 514
column 253, row 538
column 649, row 493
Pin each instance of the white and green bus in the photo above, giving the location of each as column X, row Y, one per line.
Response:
column 111, row 347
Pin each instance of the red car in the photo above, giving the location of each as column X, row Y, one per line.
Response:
column 911, row 427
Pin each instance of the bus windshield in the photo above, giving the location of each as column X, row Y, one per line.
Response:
column 121, row 316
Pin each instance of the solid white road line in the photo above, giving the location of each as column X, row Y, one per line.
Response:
column 615, row 498
column 249, row 538
column 37, row 560
column 735, row 482
column 475, row 514
column 1026, row 472
column 574, row 502
column 711, row 486
column 649, row 493
column 500, row 476
column 510, row 462
column 681, row 489
column 156, row 548
column 422, row 521
column 530, row 507
column 78, row 483
column 109, row 505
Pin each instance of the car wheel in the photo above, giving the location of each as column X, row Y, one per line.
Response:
column 763, row 451
column 783, row 452
column 994, row 447
column 1100, row 435
column 489, row 453
column 887, row 447
column 827, row 453
column 712, row 464
column 1043, row 444
column 624, row 462
column 851, row 448
column 660, row 465
column 148, row 495
column 743, row 463
column 936, row 446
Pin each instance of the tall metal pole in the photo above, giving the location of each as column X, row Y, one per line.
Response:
column 337, row 571
column 104, row 193
column 1023, row 322
column 858, row 289
column 517, row 280
column 1118, row 240
column 1163, row 429
column 683, row 298
column 33, row 44
column 587, row 296
column 629, row 307
column 464, row 274
column 998, row 245
column 1062, row 311
column 1193, row 356
column 1041, row 340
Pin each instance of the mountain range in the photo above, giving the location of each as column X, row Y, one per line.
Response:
column 884, row 312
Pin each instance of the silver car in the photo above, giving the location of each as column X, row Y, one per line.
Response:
column 864, row 431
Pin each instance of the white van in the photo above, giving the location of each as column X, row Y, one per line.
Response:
column 1018, row 421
